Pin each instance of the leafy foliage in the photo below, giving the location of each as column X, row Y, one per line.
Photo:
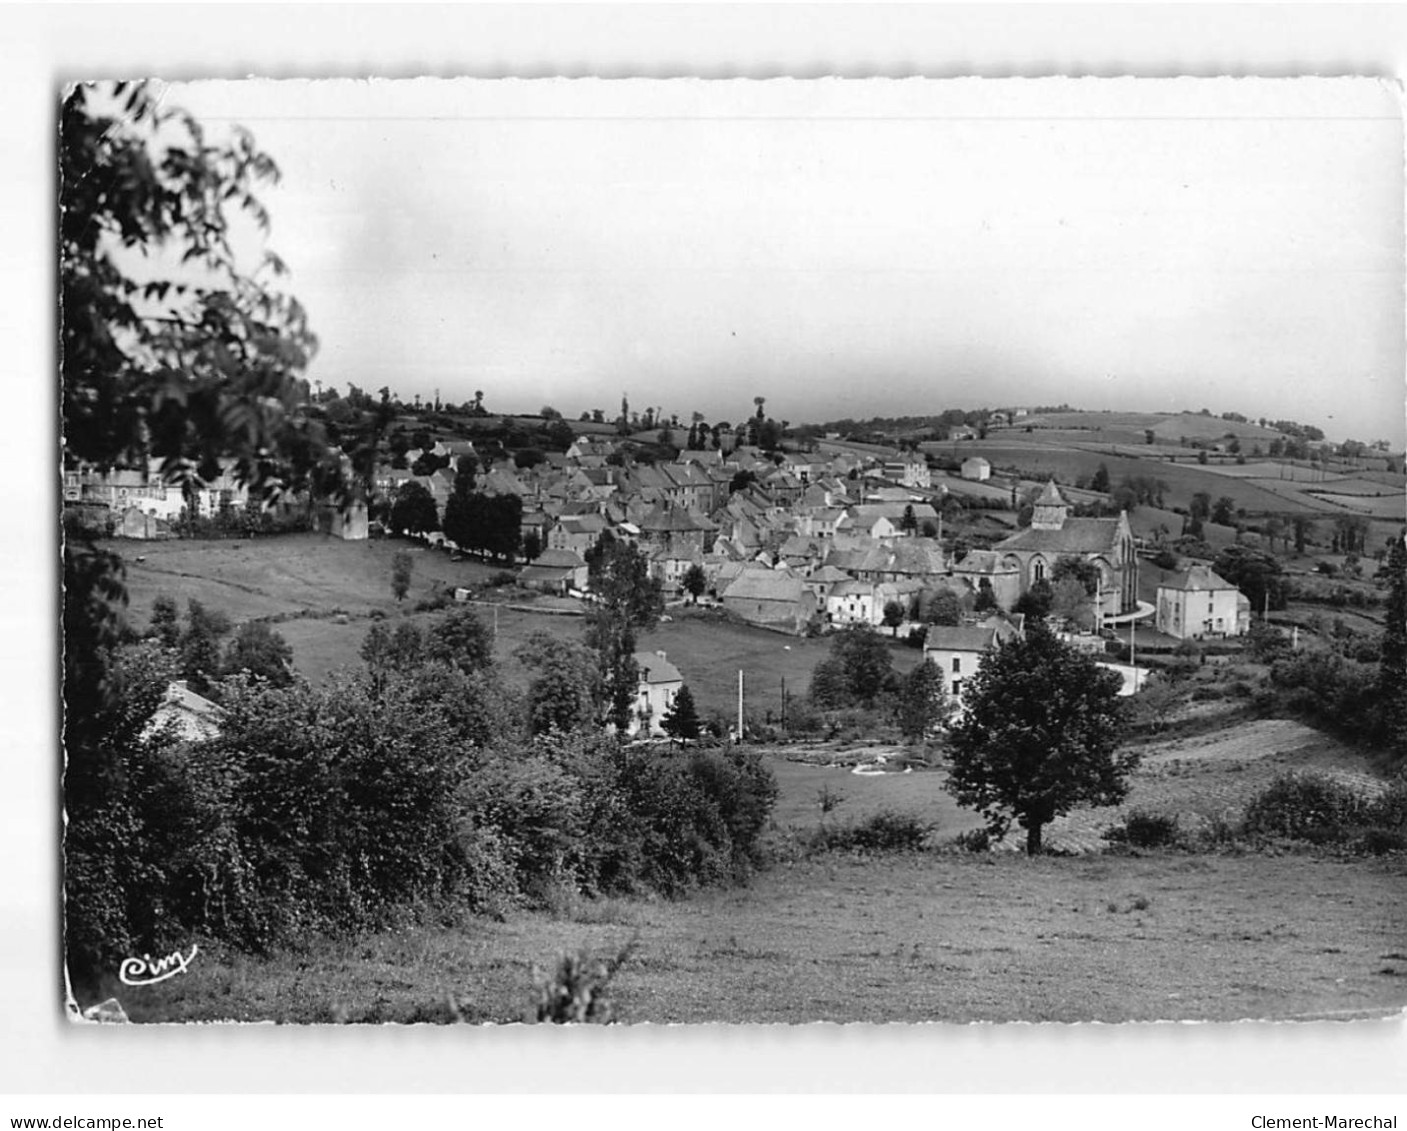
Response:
column 1040, row 734
column 259, row 651
column 627, row 600
column 413, row 509
column 1256, row 573
column 923, row 705
column 402, row 566
column 857, row 671
column 681, row 721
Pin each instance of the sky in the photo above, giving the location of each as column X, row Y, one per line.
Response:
column 846, row 248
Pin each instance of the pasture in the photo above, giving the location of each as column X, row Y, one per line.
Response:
column 1069, row 462
column 327, row 592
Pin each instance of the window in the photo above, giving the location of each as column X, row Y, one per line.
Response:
column 957, row 663
column 957, row 688
column 1038, row 570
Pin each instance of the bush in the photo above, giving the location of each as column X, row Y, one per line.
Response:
column 1305, row 806
column 1145, row 830
column 974, row 840
column 885, row 831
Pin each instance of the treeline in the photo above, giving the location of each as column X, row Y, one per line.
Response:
column 420, row 783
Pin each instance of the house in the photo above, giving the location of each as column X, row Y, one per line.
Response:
column 554, row 571
column 660, row 682
column 1052, row 535
column 350, row 525
column 986, row 569
column 770, row 599
column 852, row 602
column 976, row 468
column 957, row 650
column 1200, row 604
column 576, row 532
column 909, row 472
column 194, row 717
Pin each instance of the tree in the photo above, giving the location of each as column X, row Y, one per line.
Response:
column 564, row 693
column 165, row 620
column 1224, row 511
column 402, row 565
column 1100, row 482
column 695, row 581
column 201, row 656
column 198, row 361
column 1036, row 601
column 1392, row 663
column 944, row 607
column 893, row 616
column 626, row 600
column 1080, row 569
column 1256, row 573
column 1040, row 734
column 261, row 652
column 532, row 546
column 923, row 704
column 908, row 521
column 194, row 361
column 462, row 640
column 681, row 720
column 857, row 671
column 413, row 510
column 1069, row 602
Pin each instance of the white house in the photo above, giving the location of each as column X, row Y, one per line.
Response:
column 1200, row 604
column 660, row 682
column 194, row 717
column 976, row 468
column 957, row 650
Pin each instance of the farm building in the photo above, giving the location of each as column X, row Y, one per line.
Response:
column 1200, row 604
column 554, row 571
column 770, row 599
column 660, row 682
column 976, row 468
column 1052, row 535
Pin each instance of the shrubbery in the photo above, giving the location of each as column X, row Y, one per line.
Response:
column 415, row 784
column 885, row 831
column 1145, row 830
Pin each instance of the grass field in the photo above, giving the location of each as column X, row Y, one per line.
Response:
column 921, row 938
column 332, row 589
column 1041, row 458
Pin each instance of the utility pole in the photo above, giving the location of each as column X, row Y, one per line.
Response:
column 740, row 706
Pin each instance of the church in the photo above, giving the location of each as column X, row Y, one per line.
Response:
column 1053, row 534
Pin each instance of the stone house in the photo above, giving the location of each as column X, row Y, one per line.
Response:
column 1200, row 604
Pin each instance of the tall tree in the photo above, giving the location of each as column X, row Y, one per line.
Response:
column 1040, row 734
column 923, row 704
column 681, row 720
column 626, row 599
column 402, row 566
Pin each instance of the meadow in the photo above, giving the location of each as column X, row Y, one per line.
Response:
column 954, row 938
column 324, row 593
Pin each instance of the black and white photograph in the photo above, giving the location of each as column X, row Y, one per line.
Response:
column 696, row 551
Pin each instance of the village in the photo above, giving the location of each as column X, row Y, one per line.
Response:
column 800, row 539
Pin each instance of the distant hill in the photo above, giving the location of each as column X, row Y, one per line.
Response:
column 1166, row 426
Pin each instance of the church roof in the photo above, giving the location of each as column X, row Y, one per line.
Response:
column 1076, row 536
column 1051, row 496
